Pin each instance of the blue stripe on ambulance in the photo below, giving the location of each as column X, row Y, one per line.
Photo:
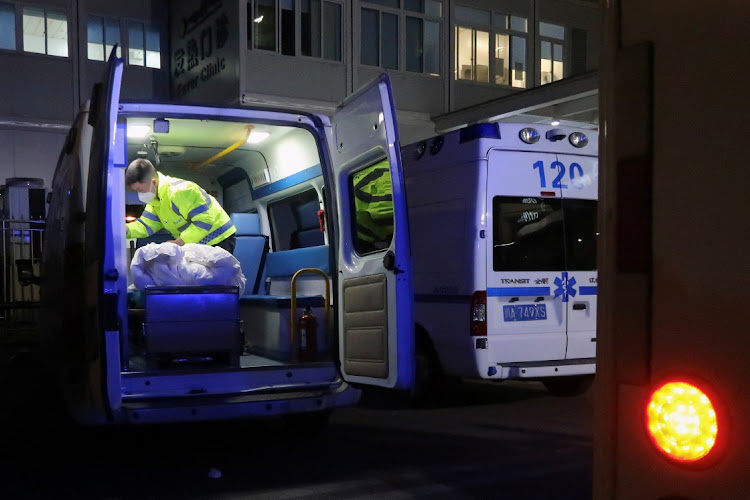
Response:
column 511, row 291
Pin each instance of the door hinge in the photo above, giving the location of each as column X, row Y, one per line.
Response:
column 111, row 275
column 389, row 262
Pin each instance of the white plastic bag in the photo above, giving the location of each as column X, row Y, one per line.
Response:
column 207, row 265
column 167, row 264
column 157, row 264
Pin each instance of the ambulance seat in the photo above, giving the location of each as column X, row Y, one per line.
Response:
column 309, row 233
column 251, row 248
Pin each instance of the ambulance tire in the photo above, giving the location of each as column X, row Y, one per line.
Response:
column 429, row 380
column 568, row 386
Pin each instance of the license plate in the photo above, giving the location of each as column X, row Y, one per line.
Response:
column 525, row 312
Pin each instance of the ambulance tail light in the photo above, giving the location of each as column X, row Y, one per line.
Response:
column 682, row 422
column 479, row 313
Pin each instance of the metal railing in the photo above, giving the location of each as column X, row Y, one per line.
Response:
column 22, row 243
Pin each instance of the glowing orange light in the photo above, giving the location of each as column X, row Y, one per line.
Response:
column 129, row 218
column 681, row 421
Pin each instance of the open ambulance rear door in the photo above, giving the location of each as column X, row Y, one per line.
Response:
column 84, row 297
column 376, row 327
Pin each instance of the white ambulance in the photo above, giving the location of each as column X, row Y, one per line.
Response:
column 503, row 234
column 185, row 353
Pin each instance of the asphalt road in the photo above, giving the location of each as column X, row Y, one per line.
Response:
column 482, row 440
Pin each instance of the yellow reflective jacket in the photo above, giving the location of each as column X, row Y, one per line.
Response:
column 373, row 203
column 186, row 211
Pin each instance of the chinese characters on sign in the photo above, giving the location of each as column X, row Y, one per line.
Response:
column 204, row 33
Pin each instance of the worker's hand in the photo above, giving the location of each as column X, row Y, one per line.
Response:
column 178, row 241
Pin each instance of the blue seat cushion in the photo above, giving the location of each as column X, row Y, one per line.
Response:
column 246, row 224
column 286, row 263
column 250, row 248
column 308, row 238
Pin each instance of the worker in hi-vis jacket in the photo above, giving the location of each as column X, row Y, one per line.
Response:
column 190, row 214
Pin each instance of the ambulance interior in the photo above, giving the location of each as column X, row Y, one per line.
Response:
column 268, row 178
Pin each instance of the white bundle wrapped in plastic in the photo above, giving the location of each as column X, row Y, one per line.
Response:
column 166, row 264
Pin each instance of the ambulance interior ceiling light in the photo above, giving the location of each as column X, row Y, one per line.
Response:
column 138, row 131
column 555, row 123
column 256, row 137
column 161, row 126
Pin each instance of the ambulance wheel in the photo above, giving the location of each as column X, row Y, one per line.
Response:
column 307, row 426
column 568, row 386
column 429, row 379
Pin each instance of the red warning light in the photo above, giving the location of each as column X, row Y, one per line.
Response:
column 681, row 421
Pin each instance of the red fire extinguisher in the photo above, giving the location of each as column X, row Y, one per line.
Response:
column 308, row 335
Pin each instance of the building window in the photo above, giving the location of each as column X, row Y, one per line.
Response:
column 103, row 34
column 370, row 45
column 472, row 54
column 310, row 28
column 332, row 17
column 286, row 24
column 389, row 42
column 144, row 48
column 379, row 38
column 264, row 20
column 381, row 35
column 422, row 44
column 510, row 50
column 7, row 26
column 276, row 25
column 45, row 32
column 551, row 44
column 490, row 47
column 320, row 29
column 519, row 27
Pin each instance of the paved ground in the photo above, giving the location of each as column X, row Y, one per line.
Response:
column 482, row 440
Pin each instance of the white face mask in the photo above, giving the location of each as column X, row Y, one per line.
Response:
column 146, row 197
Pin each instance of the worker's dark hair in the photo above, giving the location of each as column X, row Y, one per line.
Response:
column 140, row 170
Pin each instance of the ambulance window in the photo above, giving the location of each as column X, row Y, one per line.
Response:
column 372, row 205
column 294, row 222
column 527, row 234
column 580, row 234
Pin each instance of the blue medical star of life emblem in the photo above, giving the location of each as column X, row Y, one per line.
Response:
column 565, row 286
